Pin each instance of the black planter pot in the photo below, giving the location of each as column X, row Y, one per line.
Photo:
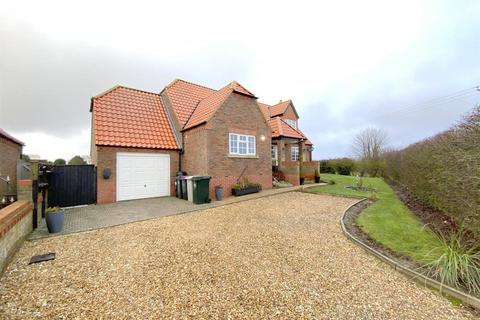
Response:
column 244, row 191
column 219, row 193
column 302, row 181
column 55, row 221
column 317, row 179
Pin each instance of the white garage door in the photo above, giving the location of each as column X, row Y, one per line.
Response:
column 142, row 175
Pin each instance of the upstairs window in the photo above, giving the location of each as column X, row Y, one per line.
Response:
column 241, row 144
column 291, row 123
column 294, row 153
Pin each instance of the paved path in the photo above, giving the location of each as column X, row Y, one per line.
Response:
column 101, row 216
column 282, row 257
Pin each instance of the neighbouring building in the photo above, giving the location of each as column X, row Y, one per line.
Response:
column 10, row 152
column 141, row 139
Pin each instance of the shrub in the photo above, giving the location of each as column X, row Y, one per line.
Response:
column 52, row 210
column 245, row 183
column 455, row 263
column 279, row 175
column 326, row 167
column 443, row 171
column 59, row 162
column 343, row 166
column 77, row 160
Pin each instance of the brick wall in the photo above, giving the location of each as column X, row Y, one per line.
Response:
column 194, row 157
column 309, row 168
column 238, row 114
column 107, row 158
column 9, row 153
column 291, row 170
column 290, row 114
column 15, row 225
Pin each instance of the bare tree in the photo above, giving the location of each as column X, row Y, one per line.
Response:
column 368, row 146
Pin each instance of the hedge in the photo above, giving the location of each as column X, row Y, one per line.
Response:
column 444, row 171
column 343, row 166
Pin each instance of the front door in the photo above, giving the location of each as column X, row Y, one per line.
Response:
column 274, row 155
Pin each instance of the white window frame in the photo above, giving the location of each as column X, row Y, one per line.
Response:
column 237, row 142
column 294, row 155
column 291, row 123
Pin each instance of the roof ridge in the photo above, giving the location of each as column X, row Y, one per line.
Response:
column 207, row 97
column 189, row 82
column 233, row 84
column 8, row 136
column 281, row 101
column 118, row 86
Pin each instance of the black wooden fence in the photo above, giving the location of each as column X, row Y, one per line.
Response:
column 72, row 185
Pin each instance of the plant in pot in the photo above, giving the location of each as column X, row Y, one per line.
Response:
column 317, row 176
column 54, row 217
column 302, row 177
column 245, row 187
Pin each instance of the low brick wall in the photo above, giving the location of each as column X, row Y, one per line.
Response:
column 15, row 225
column 309, row 168
column 291, row 170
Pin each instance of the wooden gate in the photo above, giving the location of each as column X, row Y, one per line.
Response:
column 72, row 185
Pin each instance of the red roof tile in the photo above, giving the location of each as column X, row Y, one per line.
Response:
column 184, row 97
column 282, row 129
column 207, row 107
column 4, row 134
column 131, row 118
column 279, row 108
column 265, row 108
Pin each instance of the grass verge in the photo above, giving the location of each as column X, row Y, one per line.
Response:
column 388, row 221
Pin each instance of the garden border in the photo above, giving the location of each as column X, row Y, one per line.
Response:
column 419, row 278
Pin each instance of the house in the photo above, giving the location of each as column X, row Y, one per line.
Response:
column 10, row 152
column 140, row 139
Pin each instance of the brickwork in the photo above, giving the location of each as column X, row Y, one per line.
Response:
column 15, row 225
column 238, row 114
column 291, row 170
column 107, row 158
column 10, row 152
column 290, row 114
column 194, row 157
column 309, row 167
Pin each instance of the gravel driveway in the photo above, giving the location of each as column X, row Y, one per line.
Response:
column 278, row 257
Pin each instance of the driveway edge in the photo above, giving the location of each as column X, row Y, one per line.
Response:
column 419, row 278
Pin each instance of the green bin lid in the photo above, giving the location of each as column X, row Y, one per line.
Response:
column 196, row 178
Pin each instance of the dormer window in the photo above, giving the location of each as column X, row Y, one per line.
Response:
column 291, row 123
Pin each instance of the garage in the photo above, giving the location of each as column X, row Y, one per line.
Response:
column 142, row 175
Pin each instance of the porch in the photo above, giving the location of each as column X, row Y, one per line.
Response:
column 291, row 158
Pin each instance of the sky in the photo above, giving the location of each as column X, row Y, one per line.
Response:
column 408, row 67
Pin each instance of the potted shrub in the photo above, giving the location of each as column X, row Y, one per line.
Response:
column 219, row 193
column 245, row 187
column 317, row 176
column 302, row 177
column 54, row 217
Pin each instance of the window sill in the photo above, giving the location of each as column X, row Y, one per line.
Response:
column 242, row 156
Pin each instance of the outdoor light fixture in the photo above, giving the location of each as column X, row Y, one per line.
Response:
column 107, row 173
column 262, row 137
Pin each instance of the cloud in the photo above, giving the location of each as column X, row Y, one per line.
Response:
column 346, row 65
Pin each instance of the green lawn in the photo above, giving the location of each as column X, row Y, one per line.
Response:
column 387, row 220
